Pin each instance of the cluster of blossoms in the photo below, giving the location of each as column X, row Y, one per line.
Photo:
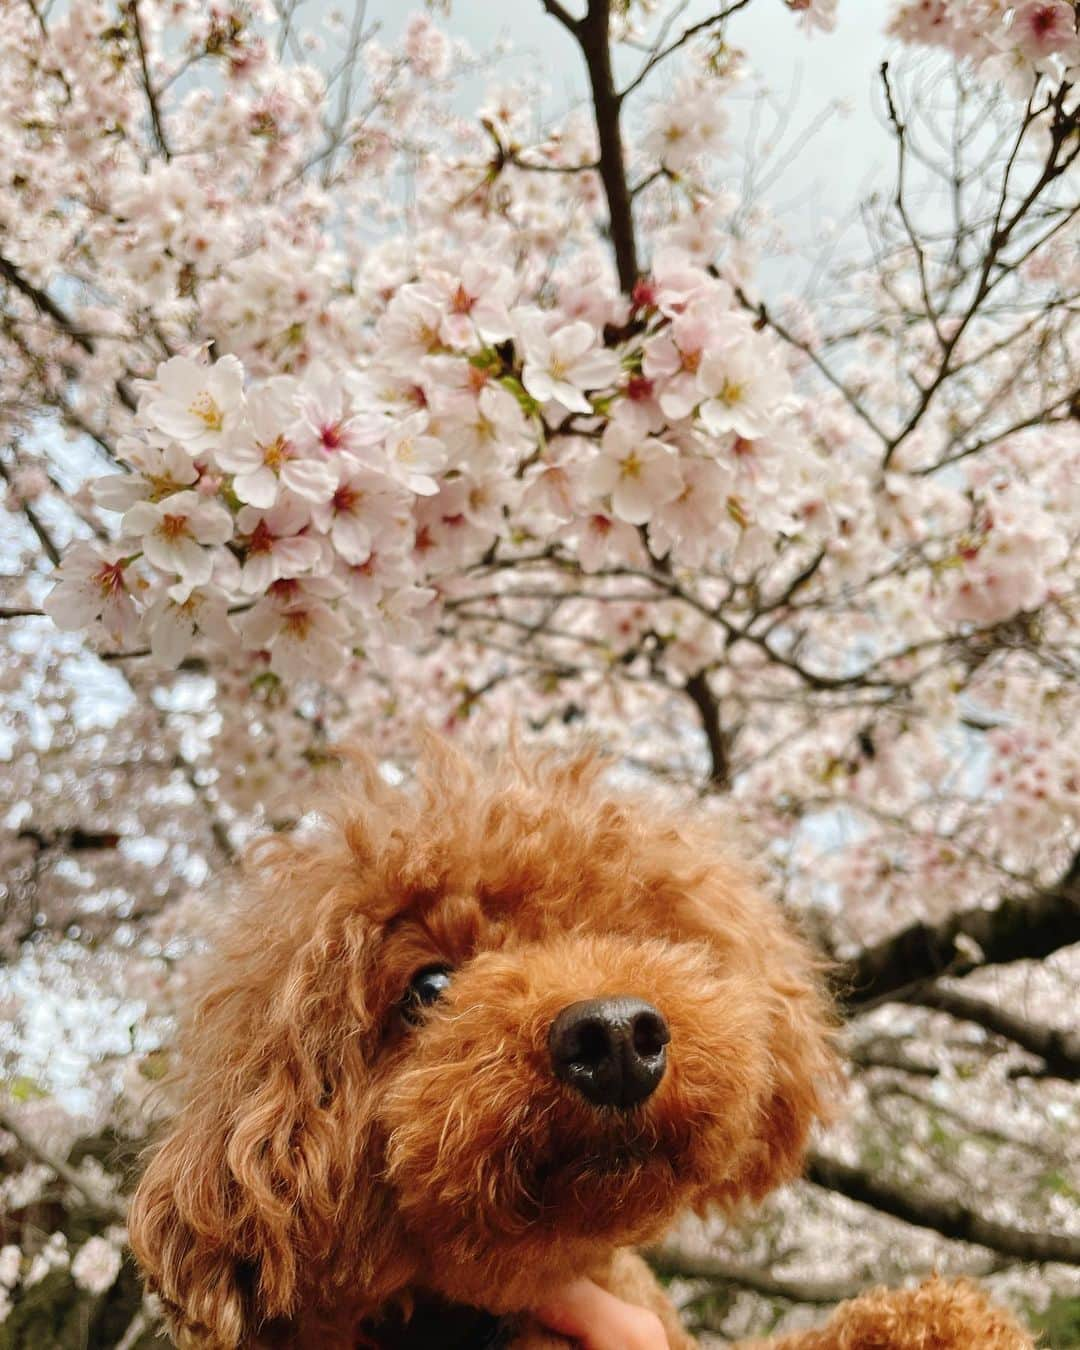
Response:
column 1009, row 43
column 304, row 518
column 94, row 1267
column 306, row 515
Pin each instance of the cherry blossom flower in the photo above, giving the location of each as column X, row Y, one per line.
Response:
column 601, row 541
column 410, row 329
column 406, row 615
column 482, row 428
column 1006, row 572
column 549, row 494
column 362, row 505
column 93, row 591
column 413, row 456
column 695, row 523
column 96, row 1265
column 53, row 1255
column 294, row 623
column 264, row 459
column 686, row 125
column 639, row 475
column 1043, row 28
column 427, row 48
column 10, row 1265
column 679, row 283
column 820, row 14
column 447, row 534
column 475, row 302
column 560, row 366
column 275, row 543
column 326, row 419
column 180, row 615
column 386, row 568
column 198, row 405
column 672, row 357
column 488, row 499
column 742, row 391
column 175, row 533
column 160, row 471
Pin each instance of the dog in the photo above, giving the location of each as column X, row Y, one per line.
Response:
column 459, row 1045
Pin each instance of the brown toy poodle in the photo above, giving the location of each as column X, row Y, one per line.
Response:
column 461, row 1045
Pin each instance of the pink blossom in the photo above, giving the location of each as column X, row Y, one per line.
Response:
column 264, row 459
column 363, row 505
column 603, row 541
column 176, row 533
column 275, row 543
column 688, row 124
column 387, row 567
column 199, row 406
column 638, row 474
column 96, row 1265
column 92, row 591
column 561, row 365
column 742, row 391
column 1043, row 28
column 159, row 472
column 294, row 623
column 413, row 456
column 326, row 421
column 180, row 615
column 447, row 532
column 475, row 302
column 410, row 328
column 695, row 523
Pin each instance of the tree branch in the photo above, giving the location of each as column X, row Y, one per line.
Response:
column 950, row 1218
column 1062, row 133
column 1059, row 1048
column 768, row 320
column 44, row 537
column 564, row 16
column 105, row 1208
column 45, row 304
column 1019, row 928
column 148, row 87
column 662, row 53
column 593, row 37
column 673, row 1262
column 699, row 693
column 139, row 1324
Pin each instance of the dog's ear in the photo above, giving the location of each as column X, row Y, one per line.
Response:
column 724, row 904
column 805, row 1070
column 250, row 1180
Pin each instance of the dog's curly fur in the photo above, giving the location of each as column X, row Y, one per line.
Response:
column 332, row 1167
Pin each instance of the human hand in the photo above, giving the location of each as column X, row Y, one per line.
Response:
column 600, row 1321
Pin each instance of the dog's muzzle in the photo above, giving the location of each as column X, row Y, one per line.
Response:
column 611, row 1050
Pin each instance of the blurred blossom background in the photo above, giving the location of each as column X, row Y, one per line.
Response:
column 706, row 385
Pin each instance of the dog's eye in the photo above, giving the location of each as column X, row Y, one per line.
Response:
column 426, row 987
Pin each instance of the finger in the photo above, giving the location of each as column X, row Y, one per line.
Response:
column 600, row 1321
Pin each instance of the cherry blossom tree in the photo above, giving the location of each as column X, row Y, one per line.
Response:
column 328, row 407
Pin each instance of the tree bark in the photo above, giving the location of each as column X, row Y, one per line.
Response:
column 1018, row 928
column 950, row 1218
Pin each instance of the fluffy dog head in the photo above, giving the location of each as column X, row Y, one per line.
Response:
column 468, row 1040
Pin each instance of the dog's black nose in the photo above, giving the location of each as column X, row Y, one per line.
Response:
column 612, row 1050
